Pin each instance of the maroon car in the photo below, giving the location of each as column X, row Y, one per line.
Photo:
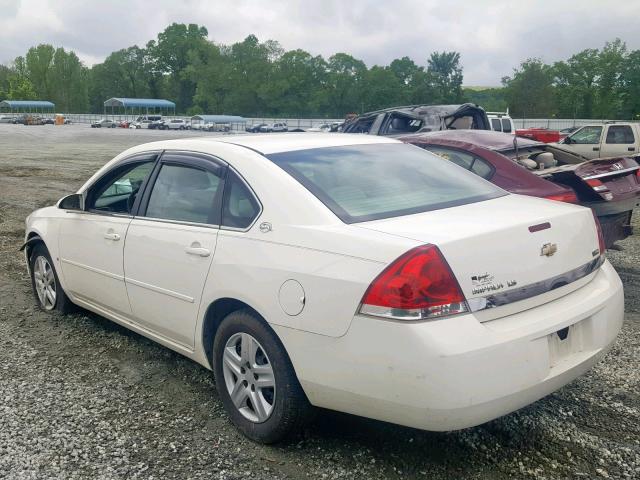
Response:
column 610, row 186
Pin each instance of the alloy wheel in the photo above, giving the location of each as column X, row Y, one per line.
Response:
column 45, row 282
column 249, row 377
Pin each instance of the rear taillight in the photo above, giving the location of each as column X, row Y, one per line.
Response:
column 597, row 185
column 568, row 197
column 418, row 285
column 601, row 244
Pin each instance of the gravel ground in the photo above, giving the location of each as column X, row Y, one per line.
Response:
column 81, row 397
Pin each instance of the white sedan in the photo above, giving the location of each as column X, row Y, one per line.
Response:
column 349, row 272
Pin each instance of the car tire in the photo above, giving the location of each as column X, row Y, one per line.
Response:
column 284, row 408
column 47, row 290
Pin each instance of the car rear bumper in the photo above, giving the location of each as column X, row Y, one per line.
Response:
column 457, row 372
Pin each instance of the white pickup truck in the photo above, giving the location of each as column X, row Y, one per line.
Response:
column 612, row 139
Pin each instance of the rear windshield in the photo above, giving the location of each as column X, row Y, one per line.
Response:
column 360, row 183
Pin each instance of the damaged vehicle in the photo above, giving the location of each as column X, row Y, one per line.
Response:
column 609, row 186
column 419, row 118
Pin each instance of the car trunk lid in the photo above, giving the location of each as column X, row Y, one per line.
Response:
column 506, row 249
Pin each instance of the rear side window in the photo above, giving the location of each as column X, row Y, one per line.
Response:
column 240, row 207
column 465, row 160
column 620, row 134
column 506, row 125
column 185, row 194
column 360, row 183
column 496, row 125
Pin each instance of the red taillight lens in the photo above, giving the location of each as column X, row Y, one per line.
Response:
column 568, row 197
column 601, row 244
column 597, row 185
column 418, row 285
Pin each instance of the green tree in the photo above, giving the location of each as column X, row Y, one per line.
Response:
column 611, row 62
column 5, row 75
column 68, row 81
column 575, row 81
column 343, row 87
column 445, row 74
column 39, row 65
column 382, row 88
column 170, row 54
column 298, row 78
column 630, row 87
column 20, row 88
column 529, row 91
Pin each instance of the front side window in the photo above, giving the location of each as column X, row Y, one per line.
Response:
column 620, row 134
column 185, row 194
column 587, row 136
column 360, row 183
column 117, row 192
column 240, row 207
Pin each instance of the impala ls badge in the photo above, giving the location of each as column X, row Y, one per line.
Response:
column 548, row 249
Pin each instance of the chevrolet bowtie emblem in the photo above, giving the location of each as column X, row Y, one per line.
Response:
column 548, row 249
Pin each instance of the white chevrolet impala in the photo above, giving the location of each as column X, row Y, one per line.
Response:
column 354, row 273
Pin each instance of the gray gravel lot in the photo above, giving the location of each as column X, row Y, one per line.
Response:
column 81, row 397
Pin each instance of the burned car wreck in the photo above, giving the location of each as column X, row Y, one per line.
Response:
column 419, row 118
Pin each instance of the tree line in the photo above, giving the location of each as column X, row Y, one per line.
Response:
column 254, row 78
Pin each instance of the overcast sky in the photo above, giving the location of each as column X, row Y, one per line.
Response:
column 493, row 36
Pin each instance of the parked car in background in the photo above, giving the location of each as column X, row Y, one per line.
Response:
column 275, row 127
column 256, row 128
column 123, row 124
column 349, row 272
column 174, row 124
column 104, row 123
column 6, row 118
column 147, row 121
column 21, row 119
column 48, row 121
column 501, row 122
column 217, row 127
column 419, row 118
column 611, row 139
column 539, row 134
column 611, row 187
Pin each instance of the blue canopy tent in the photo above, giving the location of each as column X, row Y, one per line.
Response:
column 27, row 106
column 143, row 105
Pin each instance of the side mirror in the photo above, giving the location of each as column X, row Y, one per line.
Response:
column 71, row 202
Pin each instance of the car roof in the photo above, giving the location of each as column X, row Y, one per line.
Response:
column 281, row 142
column 488, row 139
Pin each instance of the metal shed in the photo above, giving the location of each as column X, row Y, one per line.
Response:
column 27, row 106
column 199, row 121
column 132, row 106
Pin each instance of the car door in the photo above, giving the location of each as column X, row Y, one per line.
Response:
column 91, row 242
column 619, row 141
column 171, row 242
column 585, row 141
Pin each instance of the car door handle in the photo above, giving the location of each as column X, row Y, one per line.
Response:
column 596, row 149
column 112, row 236
column 199, row 251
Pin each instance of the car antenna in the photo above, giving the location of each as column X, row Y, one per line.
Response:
column 515, row 145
